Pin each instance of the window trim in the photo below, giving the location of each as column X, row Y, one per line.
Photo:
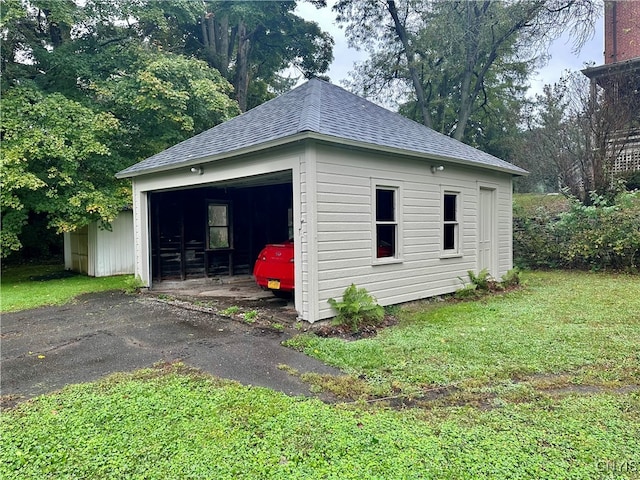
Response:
column 396, row 187
column 455, row 252
column 229, row 225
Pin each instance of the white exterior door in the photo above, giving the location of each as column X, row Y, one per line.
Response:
column 487, row 231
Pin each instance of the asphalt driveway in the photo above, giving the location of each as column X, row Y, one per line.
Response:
column 47, row 348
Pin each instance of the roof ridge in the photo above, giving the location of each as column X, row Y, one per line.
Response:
column 310, row 111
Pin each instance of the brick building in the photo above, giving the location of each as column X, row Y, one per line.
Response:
column 621, row 31
column 619, row 79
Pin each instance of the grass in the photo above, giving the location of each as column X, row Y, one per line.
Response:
column 584, row 324
column 173, row 423
column 32, row 286
column 542, row 383
column 531, row 201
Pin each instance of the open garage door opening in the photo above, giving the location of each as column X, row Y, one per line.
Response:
column 218, row 230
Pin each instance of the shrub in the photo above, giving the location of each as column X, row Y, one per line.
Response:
column 535, row 240
column 357, row 307
column 602, row 235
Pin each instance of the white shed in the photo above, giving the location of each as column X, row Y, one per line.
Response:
column 368, row 196
column 98, row 252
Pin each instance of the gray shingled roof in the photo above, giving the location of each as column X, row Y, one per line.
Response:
column 323, row 110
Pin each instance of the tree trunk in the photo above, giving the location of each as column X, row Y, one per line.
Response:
column 467, row 97
column 215, row 41
column 413, row 71
column 241, row 82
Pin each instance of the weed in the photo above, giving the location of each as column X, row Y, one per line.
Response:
column 230, row 311
column 250, row 317
column 511, row 278
column 300, row 342
column 393, row 310
column 201, row 303
column 289, row 369
column 133, row 285
column 342, row 386
column 278, row 326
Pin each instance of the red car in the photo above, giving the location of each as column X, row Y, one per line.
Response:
column 274, row 268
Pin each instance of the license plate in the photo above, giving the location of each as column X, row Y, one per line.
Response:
column 273, row 284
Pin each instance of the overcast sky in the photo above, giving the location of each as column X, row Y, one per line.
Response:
column 562, row 56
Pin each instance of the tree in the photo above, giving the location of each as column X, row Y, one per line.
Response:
column 552, row 141
column 445, row 56
column 578, row 133
column 82, row 99
column 607, row 113
column 56, row 161
column 125, row 79
column 161, row 99
column 250, row 42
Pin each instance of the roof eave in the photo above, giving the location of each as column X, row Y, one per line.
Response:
column 324, row 138
column 221, row 156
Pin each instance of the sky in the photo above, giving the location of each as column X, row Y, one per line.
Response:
column 563, row 57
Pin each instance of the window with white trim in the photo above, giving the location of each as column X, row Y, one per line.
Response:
column 219, row 225
column 450, row 222
column 386, row 222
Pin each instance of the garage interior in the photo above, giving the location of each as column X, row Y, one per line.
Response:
column 219, row 229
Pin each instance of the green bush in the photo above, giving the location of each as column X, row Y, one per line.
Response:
column 602, row 235
column 535, row 240
column 357, row 307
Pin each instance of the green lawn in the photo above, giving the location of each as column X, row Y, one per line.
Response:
column 542, row 383
column 582, row 324
column 31, row 286
column 531, row 201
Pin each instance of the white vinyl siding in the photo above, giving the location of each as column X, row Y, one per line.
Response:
column 333, row 219
column 346, row 183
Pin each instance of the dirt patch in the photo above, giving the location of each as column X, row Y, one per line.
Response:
column 345, row 332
